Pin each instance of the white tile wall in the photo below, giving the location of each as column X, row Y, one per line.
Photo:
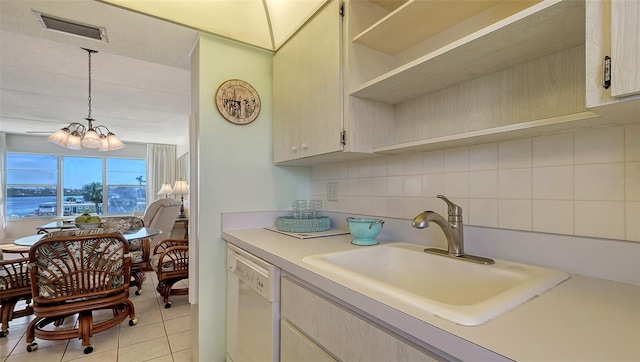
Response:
column 632, row 143
column 456, row 159
column 432, row 184
column 600, row 145
column 553, row 216
column 514, row 183
column 553, row 150
column 602, row 182
column 456, row 184
column 483, row 184
column 583, row 183
column 553, row 183
column 514, row 154
column 632, row 181
column 483, row 212
column 483, row 157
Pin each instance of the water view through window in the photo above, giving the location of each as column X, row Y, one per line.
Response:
column 50, row 185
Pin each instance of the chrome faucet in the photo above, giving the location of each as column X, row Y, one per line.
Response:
column 452, row 229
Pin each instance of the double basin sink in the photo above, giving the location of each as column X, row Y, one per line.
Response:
column 465, row 293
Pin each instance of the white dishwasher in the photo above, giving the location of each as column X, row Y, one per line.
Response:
column 253, row 308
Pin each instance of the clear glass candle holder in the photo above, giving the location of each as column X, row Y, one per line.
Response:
column 300, row 209
column 315, row 208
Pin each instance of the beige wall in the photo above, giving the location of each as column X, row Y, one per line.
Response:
column 583, row 183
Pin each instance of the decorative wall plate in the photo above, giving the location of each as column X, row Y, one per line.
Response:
column 237, row 101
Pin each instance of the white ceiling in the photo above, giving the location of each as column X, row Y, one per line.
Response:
column 263, row 23
column 140, row 77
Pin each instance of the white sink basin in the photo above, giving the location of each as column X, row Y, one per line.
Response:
column 460, row 291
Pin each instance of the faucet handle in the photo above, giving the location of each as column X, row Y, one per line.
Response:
column 454, row 210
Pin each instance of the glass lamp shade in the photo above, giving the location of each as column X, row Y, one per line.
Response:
column 74, row 142
column 105, row 143
column 91, row 139
column 114, row 142
column 60, row 137
column 180, row 188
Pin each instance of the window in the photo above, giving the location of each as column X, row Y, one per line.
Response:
column 126, row 180
column 32, row 185
column 40, row 185
column 82, row 181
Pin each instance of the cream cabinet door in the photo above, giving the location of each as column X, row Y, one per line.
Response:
column 295, row 346
column 625, row 47
column 286, row 109
column 612, row 28
column 308, row 89
column 340, row 332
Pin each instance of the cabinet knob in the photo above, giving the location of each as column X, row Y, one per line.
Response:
column 294, row 149
column 305, row 146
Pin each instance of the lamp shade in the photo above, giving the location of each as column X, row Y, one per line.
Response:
column 180, row 188
column 60, row 137
column 91, row 139
column 165, row 190
column 114, row 142
column 74, row 142
column 105, row 144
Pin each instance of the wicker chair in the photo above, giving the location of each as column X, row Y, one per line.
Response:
column 140, row 249
column 79, row 272
column 15, row 286
column 173, row 257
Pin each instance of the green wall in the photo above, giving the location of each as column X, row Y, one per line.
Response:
column 235, row 172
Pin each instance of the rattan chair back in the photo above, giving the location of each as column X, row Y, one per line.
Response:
column 77, row 264
column 76, row 273
column 15, row 285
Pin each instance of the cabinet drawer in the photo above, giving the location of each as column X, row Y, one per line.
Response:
column 295, row 346
column 346, row 335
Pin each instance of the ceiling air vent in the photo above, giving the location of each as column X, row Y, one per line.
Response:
column 49, row 22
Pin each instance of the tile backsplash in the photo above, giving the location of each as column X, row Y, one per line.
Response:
column 584, row 183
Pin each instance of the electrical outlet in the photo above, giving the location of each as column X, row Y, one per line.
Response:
column 332, row 191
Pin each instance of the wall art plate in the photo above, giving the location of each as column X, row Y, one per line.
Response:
column 238, row 102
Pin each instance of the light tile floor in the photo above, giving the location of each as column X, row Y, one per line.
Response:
column 161, row 335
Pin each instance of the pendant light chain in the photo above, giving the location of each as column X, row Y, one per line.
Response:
column 89, row 116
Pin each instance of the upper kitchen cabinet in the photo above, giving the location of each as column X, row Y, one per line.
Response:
column 431, row 45
column 613, row 37
column 479, row 71
column 307, row 89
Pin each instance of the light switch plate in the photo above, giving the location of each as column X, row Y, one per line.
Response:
column 332, row 191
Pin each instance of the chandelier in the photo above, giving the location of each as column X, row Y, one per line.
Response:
column 76, row 135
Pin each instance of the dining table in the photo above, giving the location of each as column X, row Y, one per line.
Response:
column 141, row 233
column 56, row 225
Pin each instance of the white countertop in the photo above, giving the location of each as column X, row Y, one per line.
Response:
column 582, row 319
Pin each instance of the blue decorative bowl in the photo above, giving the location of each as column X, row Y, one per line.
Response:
column 364, row 230
column 293, row 225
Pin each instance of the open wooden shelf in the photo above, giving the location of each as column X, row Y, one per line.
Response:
column 389, row 5
column 542, row 29
column 417, row 20
column 562, row 123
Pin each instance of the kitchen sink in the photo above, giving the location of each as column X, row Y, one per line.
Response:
column 465, row 293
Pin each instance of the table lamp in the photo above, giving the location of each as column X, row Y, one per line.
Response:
column 165, row 190
column 181, row 188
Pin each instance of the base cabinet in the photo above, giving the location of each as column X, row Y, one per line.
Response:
column 323, row 330
column 295, row 346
